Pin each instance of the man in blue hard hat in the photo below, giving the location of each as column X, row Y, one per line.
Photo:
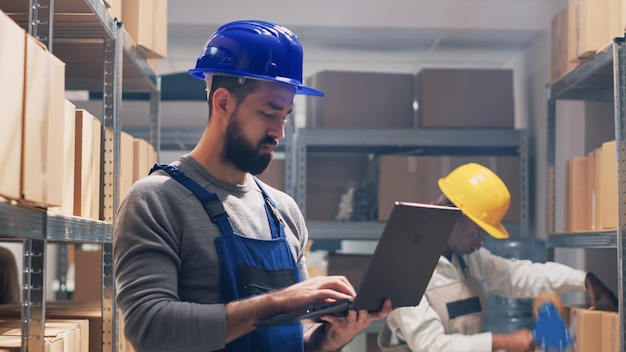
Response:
column 202, row 248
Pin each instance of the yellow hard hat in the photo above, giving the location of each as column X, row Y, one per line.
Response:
column 480, row 194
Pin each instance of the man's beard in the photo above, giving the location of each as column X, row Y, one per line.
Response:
column 241, row 153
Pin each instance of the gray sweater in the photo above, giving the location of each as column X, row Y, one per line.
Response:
column 166, row 266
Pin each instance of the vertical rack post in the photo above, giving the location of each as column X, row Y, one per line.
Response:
column 619, row 81
column 155, row 116
column 523, row 160
column 290, row 174
column 33, row 291
column 301, row 159
column 112, row 96
column 40, row 18
column 551, row 160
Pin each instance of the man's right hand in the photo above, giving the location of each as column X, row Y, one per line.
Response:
column 317, row 289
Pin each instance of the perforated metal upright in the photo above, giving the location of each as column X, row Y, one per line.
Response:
column 40, row 26
column 112, row 99
column 619, row 74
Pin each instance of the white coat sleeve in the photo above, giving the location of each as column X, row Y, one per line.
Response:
column 421, row 328
column 524, row 278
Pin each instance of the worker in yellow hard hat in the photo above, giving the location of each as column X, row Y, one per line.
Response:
column 450, row 316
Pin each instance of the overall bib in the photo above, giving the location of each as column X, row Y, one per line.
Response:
column 460, row 306
column 250, row 266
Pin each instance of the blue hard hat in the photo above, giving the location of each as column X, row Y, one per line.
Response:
column 255, row 49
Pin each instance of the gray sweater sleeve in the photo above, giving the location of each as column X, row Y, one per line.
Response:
column 159, row 311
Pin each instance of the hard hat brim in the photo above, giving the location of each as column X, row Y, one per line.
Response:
column 300, row 88
column 498, row 231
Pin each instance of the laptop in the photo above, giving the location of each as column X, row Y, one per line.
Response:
column 401, row 266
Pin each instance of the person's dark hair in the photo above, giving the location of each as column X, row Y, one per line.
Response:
column 240, row 87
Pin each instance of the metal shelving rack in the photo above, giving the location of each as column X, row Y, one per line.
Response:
column 99, row 56
column 469, row 142
column 602, row 79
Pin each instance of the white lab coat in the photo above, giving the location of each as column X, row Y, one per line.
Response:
column 421, row 328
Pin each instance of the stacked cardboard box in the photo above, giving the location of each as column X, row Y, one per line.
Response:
column 87, row 165
column 361, row 100
column 12, row 53
column 68, row 166
column 465, row 98
column 593, row 330
column 591, row 192
column 146, row 23
column 583, row 28
column 577, row 216
column 90, row 331
column 60, row 335
column 44, row 112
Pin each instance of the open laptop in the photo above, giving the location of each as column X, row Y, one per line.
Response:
column 405, row 257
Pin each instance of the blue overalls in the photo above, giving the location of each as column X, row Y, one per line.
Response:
column 250, row 266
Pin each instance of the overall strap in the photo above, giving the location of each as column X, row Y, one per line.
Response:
column 277, row 226
column 463, row 266
column 210, row 201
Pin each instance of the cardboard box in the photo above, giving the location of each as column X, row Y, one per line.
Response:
column 561, row 38
column 593, row 330
column 591, row 189
column 140, row 157
column 577, row 212
column 69, row 162
column 465, row 98
column 586, row 328
column 610, row 332
column 361, row 100
column 44, row 107
column 115, row 8
column 328, row 178
column 35, row 114
column 598, row 203
column 12, row 56
column 88, row 276
column 407, row 178
column 11, row 343
column 55, row 132
column 146, row 23
column 60, row 335
column 588, row 22
column 69, row 310
column 87, row 165
column 274, row 175
column 617, row 18
column 608, row 186
column 127, row 169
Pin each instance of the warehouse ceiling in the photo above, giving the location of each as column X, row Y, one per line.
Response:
column 399, row 36
column 387, row 36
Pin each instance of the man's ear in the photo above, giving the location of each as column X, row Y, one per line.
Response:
column 222, row 101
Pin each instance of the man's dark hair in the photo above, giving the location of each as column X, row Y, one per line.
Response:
column 240, row 87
